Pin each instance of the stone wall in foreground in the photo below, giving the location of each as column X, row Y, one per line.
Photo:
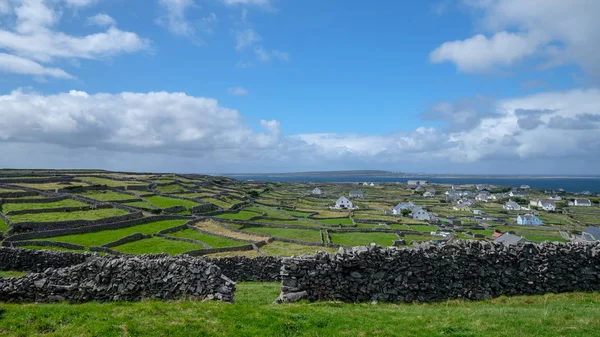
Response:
column 242, row 268
column 471, row 270
column 123, row 278
column 37, row 260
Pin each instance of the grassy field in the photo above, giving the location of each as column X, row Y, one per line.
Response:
column 157, row 245
column 299, row 222
column 171, row 189
column 140, row 204
column 64, row 216
column 3, row 225
column 52, row 186
column 241, row 215
column 278, row 248
column 220, row 203
column 296, row 213
column 110, row 182
column 288, row 233
column 42, row 205
column 60, row 249
column 106, row 236
column 213, row 227
column 166, row 202
column 106, row 195
column 10, row 273
column 576, row 315
column 340, row 221
column 360, row 239
column 211, row 240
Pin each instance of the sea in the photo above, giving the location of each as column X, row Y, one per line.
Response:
column 569, row 184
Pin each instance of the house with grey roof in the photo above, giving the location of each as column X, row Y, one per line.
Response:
column 581, row 202
column 508, row 239
column 511, row 206
column 343, row 203
column 529, row 219
column 483, row 196
column 429, row 194
column 516, row 194
column 316, row 191
column 547, row 205
column 403, row 205
column 356, row 194
column 419, row 213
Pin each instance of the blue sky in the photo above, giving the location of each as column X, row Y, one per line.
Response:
column 463, row 86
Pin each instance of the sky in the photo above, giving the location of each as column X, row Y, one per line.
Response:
column 242, row 86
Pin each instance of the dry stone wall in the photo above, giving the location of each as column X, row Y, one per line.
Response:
column 471, row 270
column 123, row 278
column 242, row 268
column 37, row 260
column 49, row 226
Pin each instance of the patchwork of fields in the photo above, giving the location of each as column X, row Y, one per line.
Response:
column 115, row 211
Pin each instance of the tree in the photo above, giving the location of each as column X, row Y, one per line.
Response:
column 405, row 211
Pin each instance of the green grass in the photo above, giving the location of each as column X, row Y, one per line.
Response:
column 106, row 236
column 423, row 228
column 11, row 273
column 573, row 315
column 166, row 202
column 110, row 182
column 296, row 213
column 3, row 226
column 340, row 221
column 157, row 245
column 64, row 216
column 288, row 233
column 60, row 249
column 410, row 238
column 106, row 195
column 220, row 203
column 42, row 205
column 278, row 248
column 211, row 240
column 242, row 215
column 299, row 222
column 139, row 204
column 361, row 239
column 542, row 238
column 171, row 189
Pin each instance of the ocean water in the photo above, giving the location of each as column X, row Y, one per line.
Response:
column 571, row 184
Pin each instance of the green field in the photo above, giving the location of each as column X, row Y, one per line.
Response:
column 242, row 215
column 296, row 213
column 288, row 233
column 140, row 204
column 166, row 202
column 299, row 222
column 64, row 216
column 3, row 226
column 42, row 205
column 60, row 249
column 106, row 236
column 278, row 248
column 212, row 240
column 171, row 189
column 110, row 182
column 10, row 273
column 423, row 228
column 340, row 221
column 361, row 239
column 106, row 195
column 157, row 245
column 573, row 315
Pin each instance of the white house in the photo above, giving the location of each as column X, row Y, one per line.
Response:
column 356, row 194
column 419, row 213
column 403, row 205
column 525, row 187
column 547, row 205
column 511, row 206
column 429, row 194
column 484, row 197
column 555, row 197
column 316, row 191
column 580, row 202
column 516, row 194
column 343, row 203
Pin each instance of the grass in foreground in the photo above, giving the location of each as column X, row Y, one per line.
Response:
column 106, row 236
column 157, row 245
column 576, row 314
column 64, row 216
column 11, row 273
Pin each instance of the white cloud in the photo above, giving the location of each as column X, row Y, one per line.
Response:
column 246, row 38
column 480, row 53
column 265, row 56
column 555, row 31
column 101, row 19
column 175, row 20
column 18, row 65
column 237, row 91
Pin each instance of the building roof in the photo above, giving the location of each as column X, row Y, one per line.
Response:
column 547, row 203
column 508, row 239
column 404, row 205
column 583, row 201
column 512, row 204
column 527, row 216
column 342, row 198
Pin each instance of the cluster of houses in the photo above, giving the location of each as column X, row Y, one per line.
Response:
column 416, row 212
